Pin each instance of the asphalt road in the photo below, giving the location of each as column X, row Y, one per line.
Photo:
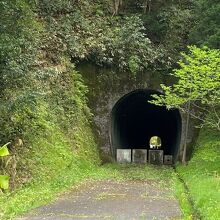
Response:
column 109, row 199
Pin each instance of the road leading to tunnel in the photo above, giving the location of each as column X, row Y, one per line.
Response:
column 113, row 199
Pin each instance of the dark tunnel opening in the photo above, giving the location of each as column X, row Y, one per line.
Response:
column 135, row 121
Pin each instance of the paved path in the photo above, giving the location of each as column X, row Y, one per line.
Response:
column 127, row 200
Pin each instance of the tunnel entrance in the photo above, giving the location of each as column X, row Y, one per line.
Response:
column 135, row 121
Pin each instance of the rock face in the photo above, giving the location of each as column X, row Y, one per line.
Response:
column 106, row 88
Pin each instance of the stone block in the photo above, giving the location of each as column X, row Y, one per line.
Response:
column 139, row 156
column 155, row 157
column 124, row 155
column 168, row 159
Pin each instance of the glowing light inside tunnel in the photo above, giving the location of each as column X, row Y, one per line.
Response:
column 155, row 142
column 135, row 121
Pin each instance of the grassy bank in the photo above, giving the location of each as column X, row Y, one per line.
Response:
column 51, row 165
column 202, row 176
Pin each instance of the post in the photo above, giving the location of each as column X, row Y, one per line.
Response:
column 186, row 134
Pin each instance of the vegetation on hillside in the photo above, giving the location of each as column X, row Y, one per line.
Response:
column 206, row 32
column 39, row 38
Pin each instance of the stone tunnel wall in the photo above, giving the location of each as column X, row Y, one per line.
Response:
column 106, row 87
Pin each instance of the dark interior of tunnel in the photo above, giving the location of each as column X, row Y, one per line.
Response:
column 135, row 121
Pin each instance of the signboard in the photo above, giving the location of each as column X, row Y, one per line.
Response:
column 124, row 155
column 156, row 157
column 168, row 159
column 139, row 156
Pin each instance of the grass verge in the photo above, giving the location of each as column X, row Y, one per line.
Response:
column 202, row 176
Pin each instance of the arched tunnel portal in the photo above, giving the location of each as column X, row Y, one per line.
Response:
column 135, row 121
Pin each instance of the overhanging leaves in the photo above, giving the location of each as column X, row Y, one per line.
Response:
column 4, row 150
column 4, row 182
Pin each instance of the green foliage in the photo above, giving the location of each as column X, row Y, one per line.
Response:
column 4, row 150
column 127, row 46
column 167, row 24
column 61, row 7
column 19, row 42
column 176, row 23
column 134, row 64
column 183, row 197
column 87, row 31
column 42, row 100
column 39, row 98
column 202, row 175
column 105, row 40
column 19, row 39
column 207, row 28
column 4, row 180
column 198, row 83
column 56, row 6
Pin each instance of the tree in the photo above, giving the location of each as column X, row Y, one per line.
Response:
column 206, row 30
column 197, row 91
column 20, row 34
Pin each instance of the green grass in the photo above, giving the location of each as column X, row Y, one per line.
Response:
column 202, row 176
column 183, row 198
column 136, row 172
